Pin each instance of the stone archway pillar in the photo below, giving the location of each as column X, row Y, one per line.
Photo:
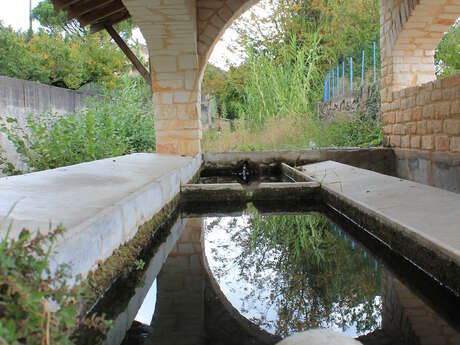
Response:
column 170, row 30
column 180, row 35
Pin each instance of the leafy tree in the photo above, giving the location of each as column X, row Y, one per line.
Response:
column 69, row 61
column 447, row 55
column 57, row 22
column 300, row 271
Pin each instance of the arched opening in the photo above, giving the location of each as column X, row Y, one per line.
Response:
column 418, row 110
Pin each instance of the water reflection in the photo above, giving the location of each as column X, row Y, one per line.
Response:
column 264, row 277
column 293, row 273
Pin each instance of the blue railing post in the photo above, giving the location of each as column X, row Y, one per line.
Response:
column 329, row 86
column 333, row 82
column 338, row 81
column 362, row 70
column 343, row 77
column 374, row 63
column 351, row 74
column 325, row 89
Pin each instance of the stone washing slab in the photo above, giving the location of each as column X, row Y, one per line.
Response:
column 427, row 216
column 101, row 203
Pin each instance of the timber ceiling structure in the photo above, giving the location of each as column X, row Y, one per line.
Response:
column 97, row 13
column 100, row 15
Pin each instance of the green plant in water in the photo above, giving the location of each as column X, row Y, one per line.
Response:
column 139, row 264
column 318, row 275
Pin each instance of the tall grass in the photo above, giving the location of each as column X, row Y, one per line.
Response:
column 282, row 83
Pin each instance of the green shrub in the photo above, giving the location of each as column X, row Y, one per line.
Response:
column 360, row 130
column 447, row 55
column 121, row 123
column 35, row 306
column 285, row 86
column 69, row 61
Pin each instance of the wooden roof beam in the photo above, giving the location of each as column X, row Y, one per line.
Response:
column 101, row 13
column 79, row 9
column 129, row 53
column 62, row 4
column 112, row 20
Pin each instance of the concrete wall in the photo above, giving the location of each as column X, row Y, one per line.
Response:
column 101, row 204
column 21, row 98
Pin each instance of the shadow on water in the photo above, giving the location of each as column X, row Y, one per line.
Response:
column 232, row 274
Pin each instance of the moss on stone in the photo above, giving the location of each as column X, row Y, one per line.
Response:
column 122, row 261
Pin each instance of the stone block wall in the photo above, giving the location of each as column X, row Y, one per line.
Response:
column 365, row 100
column 407, row 315
column 420, row 114
column 425, row 117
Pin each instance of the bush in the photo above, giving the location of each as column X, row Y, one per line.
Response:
column 447, row 55
column 36, row 305
column 285, row 86
column 360, row 131
column 121, row 123
column 34, row 309
column 69, row 61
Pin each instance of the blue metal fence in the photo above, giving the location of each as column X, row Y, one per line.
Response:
column 332, row 80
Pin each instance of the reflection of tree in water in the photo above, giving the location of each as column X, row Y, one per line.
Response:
column 316, row 279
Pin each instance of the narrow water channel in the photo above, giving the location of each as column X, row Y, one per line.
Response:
column 255, row 278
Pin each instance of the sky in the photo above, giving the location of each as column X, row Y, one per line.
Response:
column 16, row 14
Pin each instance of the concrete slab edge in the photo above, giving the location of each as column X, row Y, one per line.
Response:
column 96, row 238
column 442, row 264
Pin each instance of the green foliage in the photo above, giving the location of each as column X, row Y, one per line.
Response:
column 36, row 307
column 121, row 123
column 282, row 75
column 282, row 86
column 57, row 22
column 69, row 61
column 447, row 55
column 318, row 273
column 360, row 130
column 227, row 87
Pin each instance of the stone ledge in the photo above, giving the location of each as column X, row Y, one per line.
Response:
column 418, row 221
column 101, row 203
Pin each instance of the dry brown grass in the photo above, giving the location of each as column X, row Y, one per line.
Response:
column 282, row 133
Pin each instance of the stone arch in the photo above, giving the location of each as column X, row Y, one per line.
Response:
column 418, row 110
column 410, row 32
column 214, row 17
column 180, row 36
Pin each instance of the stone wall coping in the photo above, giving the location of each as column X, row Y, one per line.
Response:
column 101, row 203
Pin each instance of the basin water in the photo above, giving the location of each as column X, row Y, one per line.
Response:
column 259, row 275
